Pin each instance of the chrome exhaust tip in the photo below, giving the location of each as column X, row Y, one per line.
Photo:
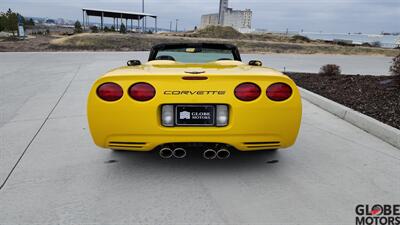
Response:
column 179, row 153
column 209, row 154
column 165, row 153
column 223, row 154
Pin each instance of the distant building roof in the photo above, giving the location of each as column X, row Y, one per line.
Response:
column 116, row 13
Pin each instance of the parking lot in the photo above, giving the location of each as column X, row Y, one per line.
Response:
column 52, row 173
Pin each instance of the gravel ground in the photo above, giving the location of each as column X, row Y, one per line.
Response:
column 375, row 96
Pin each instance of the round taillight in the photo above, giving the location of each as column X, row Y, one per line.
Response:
column 142, row 92
column 110, row 92
column 279, row 92
column 247, row 92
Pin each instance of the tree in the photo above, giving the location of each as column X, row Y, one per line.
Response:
column 78, row 27
column 30, row 22
column 2, row 22
column 112, row 28
column 376, row 44
column 10, row 21
column 94, row 29
column 122, row 29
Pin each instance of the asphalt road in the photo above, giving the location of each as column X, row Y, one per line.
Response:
column 52, row 173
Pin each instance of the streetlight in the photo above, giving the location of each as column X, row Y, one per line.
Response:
column 143, row 17
column 176, row 26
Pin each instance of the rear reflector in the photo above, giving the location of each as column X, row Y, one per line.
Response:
column 279, row 92
column 142, row 92
column 247, row 92
column 110, row 92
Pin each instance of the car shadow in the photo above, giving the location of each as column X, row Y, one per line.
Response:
column 194, row 161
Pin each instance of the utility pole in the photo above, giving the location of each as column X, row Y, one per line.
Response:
column 143, row 16
column 170, row 26
column 176, row 26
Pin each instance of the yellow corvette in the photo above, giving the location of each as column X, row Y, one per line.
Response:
column 194, row 96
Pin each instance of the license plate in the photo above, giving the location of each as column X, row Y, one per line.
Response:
column 195, row 115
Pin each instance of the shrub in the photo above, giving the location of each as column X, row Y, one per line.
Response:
column 344, row 43
column 122, row 29
column 112, row 28
column 395, row 68
column 94, row 29
column 78, row 27
column 300, row 38
column 330, row 70
column 30, row 23
column 376, row 44
column 366, row 44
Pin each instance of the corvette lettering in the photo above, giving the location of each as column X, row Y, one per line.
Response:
column 194, row 92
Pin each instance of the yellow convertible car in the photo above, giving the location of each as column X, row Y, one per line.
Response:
column 198, row 97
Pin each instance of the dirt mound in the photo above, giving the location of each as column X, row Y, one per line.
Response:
column 218, row 32
column 101, row 41
column 111, row 42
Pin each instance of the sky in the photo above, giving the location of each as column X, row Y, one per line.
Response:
column 331, row 16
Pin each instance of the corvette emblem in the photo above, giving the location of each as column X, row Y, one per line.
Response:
column 194, row 93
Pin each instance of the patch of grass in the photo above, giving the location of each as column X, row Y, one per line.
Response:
column 109, row 42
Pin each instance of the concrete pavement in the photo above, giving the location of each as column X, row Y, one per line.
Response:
column 364, row 65
column 53, row 173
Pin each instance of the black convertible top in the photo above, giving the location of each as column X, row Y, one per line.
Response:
column 161, row 47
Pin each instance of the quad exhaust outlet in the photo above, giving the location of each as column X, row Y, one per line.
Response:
column 213, row 154
column 210, row 154
column 223, row 154
column 179, row 153
column 167, row 153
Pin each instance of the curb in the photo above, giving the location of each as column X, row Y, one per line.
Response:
column 384, row 132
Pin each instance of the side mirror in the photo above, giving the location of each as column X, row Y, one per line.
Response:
column 134, row 62
column 255, row 63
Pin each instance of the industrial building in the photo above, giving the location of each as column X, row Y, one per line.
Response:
column 238, row 19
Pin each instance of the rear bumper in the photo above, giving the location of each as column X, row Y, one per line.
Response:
column 249, row 129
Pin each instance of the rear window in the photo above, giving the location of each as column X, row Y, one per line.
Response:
column 195, row 55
